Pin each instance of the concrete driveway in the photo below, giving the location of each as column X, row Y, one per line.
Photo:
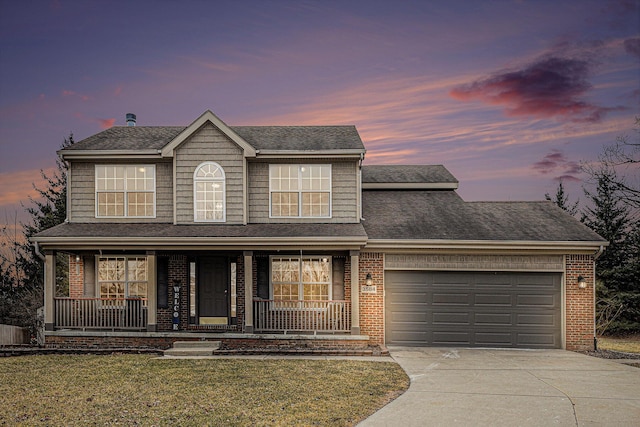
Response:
column 478, row 387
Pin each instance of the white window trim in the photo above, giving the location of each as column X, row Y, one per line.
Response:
column 300, row 282
column 126, row 281
column 126, row 213
column 224, row 193
column 300, row 191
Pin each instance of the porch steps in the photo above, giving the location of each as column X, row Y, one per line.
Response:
column 193, row 348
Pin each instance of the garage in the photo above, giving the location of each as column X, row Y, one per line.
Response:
column 473, row 309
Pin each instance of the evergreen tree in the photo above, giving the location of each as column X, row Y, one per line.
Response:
column 562, row 200
column 617, row 270
column 22, row 271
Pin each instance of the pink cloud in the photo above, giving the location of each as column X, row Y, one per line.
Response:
column 551, row 86
column 106, row 123
column 72, row 93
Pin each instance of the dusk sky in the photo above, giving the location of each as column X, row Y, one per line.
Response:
column 509, row 95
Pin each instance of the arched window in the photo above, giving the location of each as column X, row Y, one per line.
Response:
column 209, row 193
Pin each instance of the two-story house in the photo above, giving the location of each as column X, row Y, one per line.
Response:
column 278, row 235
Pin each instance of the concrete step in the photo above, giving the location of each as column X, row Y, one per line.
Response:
column 197, row 344
column 193, row 348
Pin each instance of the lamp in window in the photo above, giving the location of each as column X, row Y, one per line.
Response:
column 368, row 280
column 582, row 283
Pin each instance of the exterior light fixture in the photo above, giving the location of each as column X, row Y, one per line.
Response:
column 77, row 258
column 369, row 280
column 582, row 283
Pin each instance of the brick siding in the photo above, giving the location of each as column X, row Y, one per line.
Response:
column 579, row 311
column 372, row 305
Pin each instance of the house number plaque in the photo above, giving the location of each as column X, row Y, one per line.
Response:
column 371, row 289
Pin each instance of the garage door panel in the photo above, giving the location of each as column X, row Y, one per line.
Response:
column 473, row 309
column 410, row 316
column 458, row 298
column 538, row 340
column 501, row 319
column 536, row 319
column 536, row 300
column 493, row 300
column 451, row 338
column 448, row 318
column 493, row 339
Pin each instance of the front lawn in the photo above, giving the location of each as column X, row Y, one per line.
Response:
column 141, row 390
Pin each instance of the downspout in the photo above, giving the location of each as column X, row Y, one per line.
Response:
column 596, row 255
column 37, row 251
column 359, row 195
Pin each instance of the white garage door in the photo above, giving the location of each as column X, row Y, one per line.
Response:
column 473, row 309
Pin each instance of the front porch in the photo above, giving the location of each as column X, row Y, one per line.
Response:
column 130, row 314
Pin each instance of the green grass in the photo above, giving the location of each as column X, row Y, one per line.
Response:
column 627, row 344
column 141, row 390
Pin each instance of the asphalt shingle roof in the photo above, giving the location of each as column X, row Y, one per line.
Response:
column 164, row 230
column 399, row 174
column 287, row 138
column 443, row 215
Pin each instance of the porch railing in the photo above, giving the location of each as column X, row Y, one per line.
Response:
column 101, row 313
column 302, row 316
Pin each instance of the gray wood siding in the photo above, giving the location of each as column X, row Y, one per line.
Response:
column 208, row 144
column 344, row 191
column 83, row 194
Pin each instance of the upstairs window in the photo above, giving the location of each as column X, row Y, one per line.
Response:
column 209, row 193
column 300, row 191
column 125, row 191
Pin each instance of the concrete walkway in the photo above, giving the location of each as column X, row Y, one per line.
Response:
column 476, row 387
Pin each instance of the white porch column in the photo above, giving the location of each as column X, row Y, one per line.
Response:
column 248, row 292
column 49, row 290
column 355, row 292
column 152, row 292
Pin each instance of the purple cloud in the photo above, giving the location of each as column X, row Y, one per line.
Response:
column 556, row 161
column 632, row 46
column 552, row 86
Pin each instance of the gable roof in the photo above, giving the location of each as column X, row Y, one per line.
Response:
column 208, row 117
column 435, row 177
column 442, row 215
column 267, row 140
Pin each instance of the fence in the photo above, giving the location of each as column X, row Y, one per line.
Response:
column 13, row 335
column 100, row 313
column 302, row 316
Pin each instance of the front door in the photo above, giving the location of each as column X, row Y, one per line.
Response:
column 213, row 290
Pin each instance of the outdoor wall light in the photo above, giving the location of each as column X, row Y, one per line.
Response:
column 582, row 284
column 369, row 280
column 77, row 258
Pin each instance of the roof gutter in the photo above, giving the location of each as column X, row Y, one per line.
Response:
column 296, row 154
column 524, row 245
column 202, row 242
column 108, row 154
